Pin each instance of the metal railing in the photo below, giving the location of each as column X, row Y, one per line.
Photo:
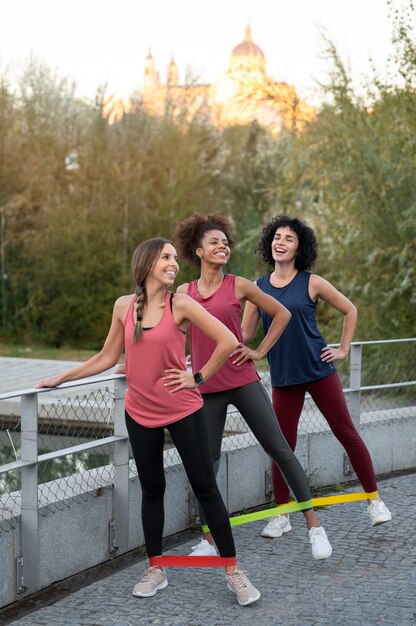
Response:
column 28, row 465
column 109, row 420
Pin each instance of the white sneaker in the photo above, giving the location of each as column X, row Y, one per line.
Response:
column 277, row 526
column 204, row 548
column 378, row 512
column 321, row 548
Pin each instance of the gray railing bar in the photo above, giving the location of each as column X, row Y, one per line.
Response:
column 387, row 386
column 378, row 341
column 121, row 472
column 355, row 384
column 74, row 383
column 29, row 473
column 80, row 448
column 10, row 467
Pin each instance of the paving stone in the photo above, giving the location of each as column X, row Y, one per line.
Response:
column 368, row 581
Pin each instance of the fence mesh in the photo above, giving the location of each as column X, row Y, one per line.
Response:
column 72, row 419
column 388, row 363
column 68, row 422
column 10, row 482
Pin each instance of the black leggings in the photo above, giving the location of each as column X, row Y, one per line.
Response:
column 254, row 404
column 191, row 440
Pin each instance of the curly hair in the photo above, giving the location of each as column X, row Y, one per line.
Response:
column 308, row 245
column 190, row 231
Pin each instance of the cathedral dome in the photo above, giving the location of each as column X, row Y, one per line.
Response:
column 247, row 47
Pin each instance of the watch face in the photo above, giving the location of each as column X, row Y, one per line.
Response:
column 198, row 378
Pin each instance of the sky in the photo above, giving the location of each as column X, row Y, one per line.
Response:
column 98, row 41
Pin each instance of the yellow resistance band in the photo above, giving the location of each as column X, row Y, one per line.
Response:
column 291, row 507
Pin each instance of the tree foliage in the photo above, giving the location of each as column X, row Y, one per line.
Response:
column 81, row 187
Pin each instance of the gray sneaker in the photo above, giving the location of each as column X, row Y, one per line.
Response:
column 153, row 579
column 378, row 512
column 277, row 526
column 239, row 584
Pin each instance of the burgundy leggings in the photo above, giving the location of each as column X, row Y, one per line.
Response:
column 329, row 398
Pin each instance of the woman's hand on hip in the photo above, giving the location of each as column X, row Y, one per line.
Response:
column 333, row 354
column 182, row 378
column 243, row 353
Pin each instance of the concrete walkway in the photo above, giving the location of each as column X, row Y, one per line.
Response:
column 369, row 580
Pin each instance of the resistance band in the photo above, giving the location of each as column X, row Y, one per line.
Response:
column 291, row 507
column 300, row 506
column 192, row 561
column 219, row 561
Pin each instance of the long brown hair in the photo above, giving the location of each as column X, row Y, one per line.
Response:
column 144, row 258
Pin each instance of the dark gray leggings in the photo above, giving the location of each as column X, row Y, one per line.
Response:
column 254, row 404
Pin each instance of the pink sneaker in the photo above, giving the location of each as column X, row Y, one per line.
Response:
column 239, row 584
column 153, row 580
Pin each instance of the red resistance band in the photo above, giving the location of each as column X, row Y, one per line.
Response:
column 192, row 561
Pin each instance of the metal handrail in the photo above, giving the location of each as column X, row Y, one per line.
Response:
column 377, row 341
column 73, row 383
column 28, row 465
column 28, row 562
column 408, row 383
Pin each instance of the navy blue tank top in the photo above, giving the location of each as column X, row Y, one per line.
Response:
column 296, row 357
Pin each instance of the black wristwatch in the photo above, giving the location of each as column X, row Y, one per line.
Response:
column 198, row 378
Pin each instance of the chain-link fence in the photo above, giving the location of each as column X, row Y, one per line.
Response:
column 384, row 364
column 62, row 424
column 10, row 482
column 72, row 419
column 68, row 422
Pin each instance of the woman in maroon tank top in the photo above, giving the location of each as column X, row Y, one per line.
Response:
column 206, row 242
column 140, row 323
column 289, row 246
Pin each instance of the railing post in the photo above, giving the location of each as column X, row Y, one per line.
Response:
column 355, row 383
column 121, row 471
column 29, row 474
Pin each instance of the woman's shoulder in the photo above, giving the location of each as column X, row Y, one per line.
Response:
column 183, row 288
column 122, row 304
column 124, row 300
column 244, row 286
column 181, row 298
column 315, row 280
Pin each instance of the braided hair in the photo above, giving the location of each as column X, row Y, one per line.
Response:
column 144, row 258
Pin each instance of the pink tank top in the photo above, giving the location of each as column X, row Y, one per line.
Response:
column 227, row 308
column 162, row 347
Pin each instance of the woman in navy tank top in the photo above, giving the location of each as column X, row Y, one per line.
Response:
column 206, row 242
column 301, row 361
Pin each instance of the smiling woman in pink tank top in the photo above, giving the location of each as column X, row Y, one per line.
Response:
column 151, row 325
column 206, row 242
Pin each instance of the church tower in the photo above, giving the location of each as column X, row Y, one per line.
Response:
column 151, row 81
column 172, row 74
